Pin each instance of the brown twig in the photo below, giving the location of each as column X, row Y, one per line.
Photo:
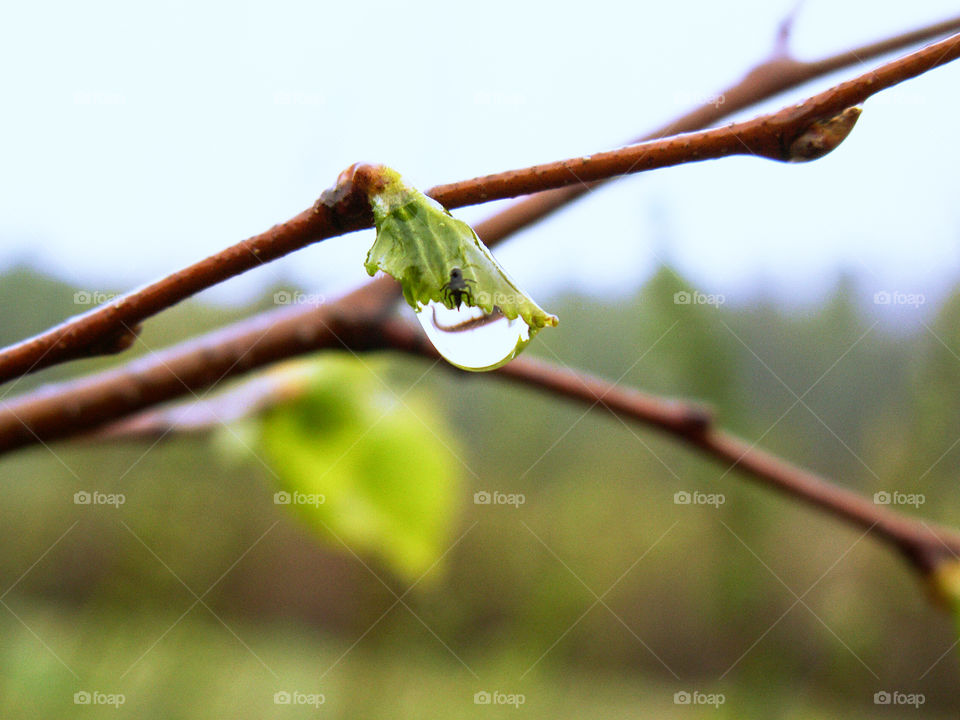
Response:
column 113, row 327
column 771, row 136
column 776, row 75
column 63, row 410
column 262, row 391
column 358, row 322
column 926, row 547
column 80, row 406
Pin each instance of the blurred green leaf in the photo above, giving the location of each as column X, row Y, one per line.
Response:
column 364, row 467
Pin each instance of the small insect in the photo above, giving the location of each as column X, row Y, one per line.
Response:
column 458, row 288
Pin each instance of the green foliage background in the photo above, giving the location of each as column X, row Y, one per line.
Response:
column 710, row 593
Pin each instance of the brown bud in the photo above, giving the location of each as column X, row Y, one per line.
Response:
column 349, row 198
column 822, row 136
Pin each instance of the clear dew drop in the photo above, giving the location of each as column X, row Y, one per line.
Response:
column 472, row 339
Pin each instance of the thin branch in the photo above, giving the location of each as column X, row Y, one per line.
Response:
column 778, row 74
column 771, row 136
column 78, row 406
column 881, row 47
column 925, row 546
column 59, row 411
column 113, row 327
column 264, row 390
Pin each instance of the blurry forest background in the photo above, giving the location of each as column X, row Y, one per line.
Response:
column 708, row 590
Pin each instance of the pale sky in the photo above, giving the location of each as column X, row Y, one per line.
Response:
column 139, row 137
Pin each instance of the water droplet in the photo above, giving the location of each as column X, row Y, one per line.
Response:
column 472, row 339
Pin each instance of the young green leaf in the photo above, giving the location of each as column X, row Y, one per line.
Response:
column 362, row 468
column 439, row 259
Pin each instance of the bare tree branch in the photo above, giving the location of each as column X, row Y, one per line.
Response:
column 925, row 546
column 113, row 327
column 75, row 407
column 262, row 391
column 59, row 411
column 776, row 75
column 360, row 321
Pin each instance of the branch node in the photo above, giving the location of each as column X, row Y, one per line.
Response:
column 695, row 419
column 347, row 201
column 122, row 339
column 822, row 136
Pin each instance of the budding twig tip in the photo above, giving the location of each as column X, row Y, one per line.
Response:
column 823, row 136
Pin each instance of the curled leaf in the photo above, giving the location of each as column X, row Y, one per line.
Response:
column 437, row 258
